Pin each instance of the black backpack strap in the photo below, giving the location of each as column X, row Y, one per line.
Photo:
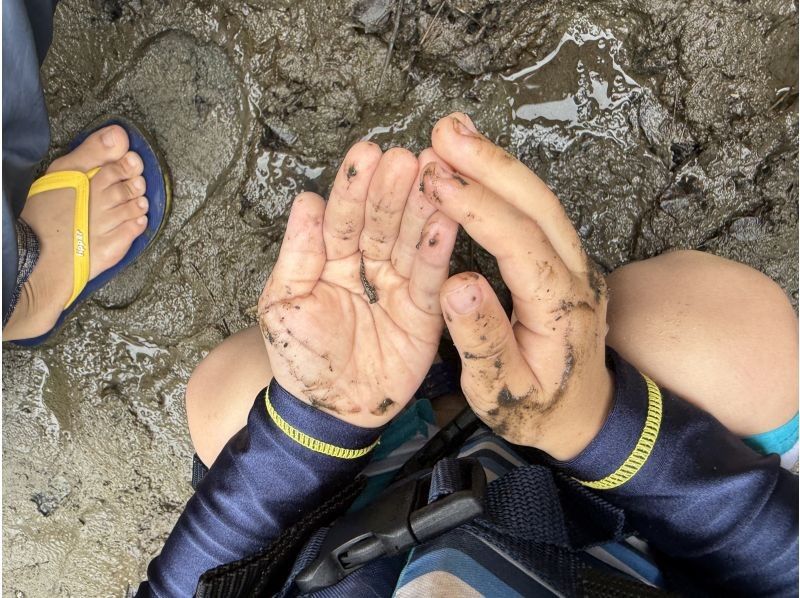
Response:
column 444, row 443
column 597, row 583
column 533, row 502
column 544, row 522
column 406, row 514
column 264, row 572
column 523, row 517
column 538, row 517
column 591, row 520
column 199, row 471
column 524, row 504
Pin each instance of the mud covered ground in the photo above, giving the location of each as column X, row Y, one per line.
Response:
column 658, row 124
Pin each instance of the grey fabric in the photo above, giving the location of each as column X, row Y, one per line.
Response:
column 27, row 256
column 27, row 32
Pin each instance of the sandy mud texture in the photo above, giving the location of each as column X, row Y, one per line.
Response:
column 659, row 125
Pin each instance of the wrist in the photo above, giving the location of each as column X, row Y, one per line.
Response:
column 315, row 429
column 629, row 434
column 342, row 403
column 580, row 420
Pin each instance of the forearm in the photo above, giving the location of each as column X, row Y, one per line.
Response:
column 262, row 482
column 725, row 514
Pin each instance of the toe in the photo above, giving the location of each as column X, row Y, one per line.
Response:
column 129, row 166
column 126, row 233
column 115, row 243
column 110, row 218
column 131, row 210
column 125, row 190
column 101, row 147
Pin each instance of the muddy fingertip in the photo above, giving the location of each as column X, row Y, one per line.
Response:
column 362, row 156
column 462, row 294
column 438, row 235
column 436, row 180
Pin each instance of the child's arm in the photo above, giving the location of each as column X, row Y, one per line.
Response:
column 349, row 331
column 723, row 514
column 540, row 379
column 262, row 483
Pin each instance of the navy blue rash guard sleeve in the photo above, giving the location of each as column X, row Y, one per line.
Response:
column 261, row 483
column 721, row 513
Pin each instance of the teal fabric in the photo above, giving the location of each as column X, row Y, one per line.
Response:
column 411, row 422
column 414, row 420
column 777, row 441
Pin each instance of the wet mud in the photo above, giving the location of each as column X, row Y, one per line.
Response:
column 659, row 125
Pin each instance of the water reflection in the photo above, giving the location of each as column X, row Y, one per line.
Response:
column 277, row 179
column 577, row 89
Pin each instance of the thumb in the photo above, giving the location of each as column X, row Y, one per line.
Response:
column 302, row 255
column 495, row 377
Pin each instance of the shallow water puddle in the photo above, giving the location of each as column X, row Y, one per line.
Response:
column 577, row 89
column 278, row 177
column 37, row 405
column 387, row 132
column 136, row 346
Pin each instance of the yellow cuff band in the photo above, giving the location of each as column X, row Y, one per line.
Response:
column 313, row 444
column 643, row 448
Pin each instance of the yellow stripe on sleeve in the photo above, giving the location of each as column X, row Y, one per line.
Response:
column 313, row 444
column 643, row 448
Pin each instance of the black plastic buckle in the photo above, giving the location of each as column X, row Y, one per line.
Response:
column 399, row 519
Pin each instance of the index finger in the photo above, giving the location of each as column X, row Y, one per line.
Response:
column 529, row 264
column 418, row 210
column 458, row 142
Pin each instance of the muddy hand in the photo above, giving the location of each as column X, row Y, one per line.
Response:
column 539, row 380
column 350, row 313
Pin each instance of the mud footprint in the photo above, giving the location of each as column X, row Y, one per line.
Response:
column 189, row 96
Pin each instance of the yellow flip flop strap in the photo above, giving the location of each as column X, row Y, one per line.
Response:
column 79, row 181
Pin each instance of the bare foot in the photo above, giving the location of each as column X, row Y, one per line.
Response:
column 117, row 215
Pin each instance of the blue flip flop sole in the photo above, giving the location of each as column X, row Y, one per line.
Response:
column 159, row 196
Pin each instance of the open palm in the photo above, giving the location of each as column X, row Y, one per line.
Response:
column 351, row 314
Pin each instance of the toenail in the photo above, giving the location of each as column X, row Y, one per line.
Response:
column 107, row 138
column 142, row 202
column 141, row 220
column 132, row 161
column 138, row 184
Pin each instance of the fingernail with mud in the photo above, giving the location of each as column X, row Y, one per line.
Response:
column 433, row 171
column 443, row 170
column 465, row 299
column 468, row 122
column 463, row 129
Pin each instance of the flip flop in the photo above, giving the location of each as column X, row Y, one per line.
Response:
column 159, row 196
